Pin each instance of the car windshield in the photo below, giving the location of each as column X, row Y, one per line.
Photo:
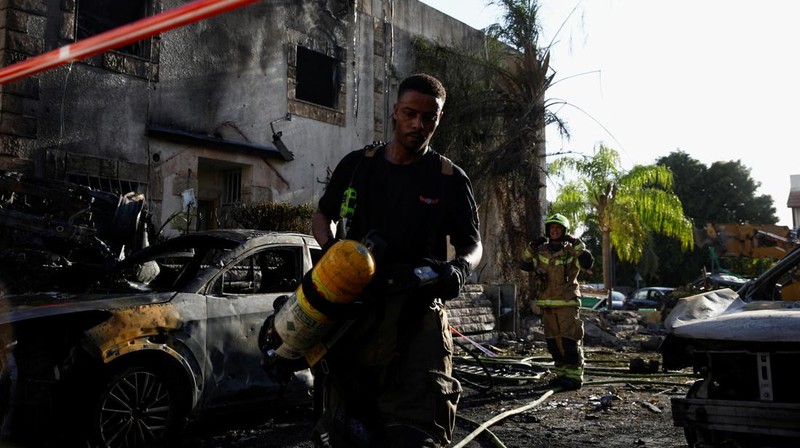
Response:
column 171, row 268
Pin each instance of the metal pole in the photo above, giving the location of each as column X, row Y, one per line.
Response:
column 121, row 36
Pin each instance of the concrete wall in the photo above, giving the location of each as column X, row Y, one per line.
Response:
column 226, row 77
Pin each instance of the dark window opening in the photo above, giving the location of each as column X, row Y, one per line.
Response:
column 98, row 16
column 317, row 78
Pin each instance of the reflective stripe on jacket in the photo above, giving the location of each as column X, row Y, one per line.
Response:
column 561, row 269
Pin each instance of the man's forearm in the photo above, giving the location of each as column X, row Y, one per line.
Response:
column 471, row 254
column 321, row 228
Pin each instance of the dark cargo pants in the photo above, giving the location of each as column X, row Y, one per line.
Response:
column 390, row 379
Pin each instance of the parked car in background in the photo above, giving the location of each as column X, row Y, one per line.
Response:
column 163, row 337
column 651, row 297
column 617, row 302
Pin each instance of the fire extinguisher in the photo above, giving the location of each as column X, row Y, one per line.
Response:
column 290, row 337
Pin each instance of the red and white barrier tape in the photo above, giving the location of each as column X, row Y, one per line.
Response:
column 485, row 350
column 119, row 37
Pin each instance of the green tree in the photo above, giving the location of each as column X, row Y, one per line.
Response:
column 721, row 193
column 626, row 206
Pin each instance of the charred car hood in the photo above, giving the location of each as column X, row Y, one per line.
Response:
column 723, row 315
column 18, row 308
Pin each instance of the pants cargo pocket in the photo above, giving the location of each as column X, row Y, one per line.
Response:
column 447, row 391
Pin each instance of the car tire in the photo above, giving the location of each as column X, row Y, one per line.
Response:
column 694, row 434
column 139, row 406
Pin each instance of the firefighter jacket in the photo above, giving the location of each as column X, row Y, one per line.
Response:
column 557, row 267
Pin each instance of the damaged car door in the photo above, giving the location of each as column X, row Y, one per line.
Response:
column 239, row 299
column 132, row 360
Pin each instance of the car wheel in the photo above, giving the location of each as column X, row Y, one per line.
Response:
column 138, row 407
column 695, row 435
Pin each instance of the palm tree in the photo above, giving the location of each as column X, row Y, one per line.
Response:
column 626, row 206
column 523, row 75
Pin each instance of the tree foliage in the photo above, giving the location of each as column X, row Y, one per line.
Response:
column 721, row 193
column 627, row 206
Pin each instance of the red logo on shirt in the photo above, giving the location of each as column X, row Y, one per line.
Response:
column 428, row 201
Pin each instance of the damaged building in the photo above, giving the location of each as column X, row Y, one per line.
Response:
column 257, row 104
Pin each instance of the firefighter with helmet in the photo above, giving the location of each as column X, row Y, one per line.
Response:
column 557, row 259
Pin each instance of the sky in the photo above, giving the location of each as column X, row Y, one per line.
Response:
column 716, row 79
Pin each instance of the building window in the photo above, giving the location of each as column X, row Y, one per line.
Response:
column 317, row 78
column 231, row 187
column 97, row 16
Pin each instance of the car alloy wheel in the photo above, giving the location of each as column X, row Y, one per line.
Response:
column 136, row 409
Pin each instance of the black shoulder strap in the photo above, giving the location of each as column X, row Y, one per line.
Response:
column 447, row 166
column 368, row 152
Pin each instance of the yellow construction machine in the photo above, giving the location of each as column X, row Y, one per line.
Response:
column 752, row 241
column 747, row 240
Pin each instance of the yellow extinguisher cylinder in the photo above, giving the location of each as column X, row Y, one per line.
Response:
column 338, row 277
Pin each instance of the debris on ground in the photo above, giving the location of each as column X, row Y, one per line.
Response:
column 624, row 402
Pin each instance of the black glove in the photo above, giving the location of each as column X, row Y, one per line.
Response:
column 526, row 266
column 453, row 275
column 586, row 260
column 570, row 239
column 538, row 242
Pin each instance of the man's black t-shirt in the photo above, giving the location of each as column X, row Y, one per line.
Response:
column 412, row 207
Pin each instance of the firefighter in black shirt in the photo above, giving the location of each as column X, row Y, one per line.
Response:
column 389, row 380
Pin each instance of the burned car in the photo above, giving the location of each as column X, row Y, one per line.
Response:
column 165, row 336
column 746, row 346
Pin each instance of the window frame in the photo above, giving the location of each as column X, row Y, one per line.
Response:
column 297, row 106
column 116, row 60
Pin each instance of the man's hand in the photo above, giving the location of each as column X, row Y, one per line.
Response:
column 453, row 275
column 570, row 239
column 538, row 242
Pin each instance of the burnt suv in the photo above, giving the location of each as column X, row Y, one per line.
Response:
column 746, row 346
column 161, row 338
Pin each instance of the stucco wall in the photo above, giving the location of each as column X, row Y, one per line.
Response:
column 226, row 76
column 233, row 69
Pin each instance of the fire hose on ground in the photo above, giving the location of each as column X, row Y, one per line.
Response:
column 492, row 361
column 502, row 416
column 483, row 371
